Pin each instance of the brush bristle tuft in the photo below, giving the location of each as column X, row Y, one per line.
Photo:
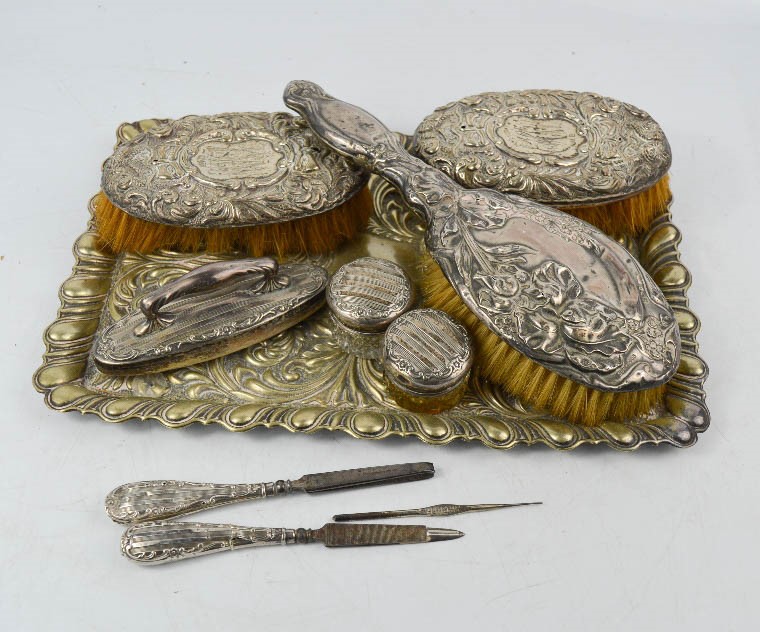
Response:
column 530, row 382
column 120, row 232
column 631, row 216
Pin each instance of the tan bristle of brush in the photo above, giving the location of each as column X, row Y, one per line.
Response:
column 630, row 216
column 119, row 232
column 530, row 382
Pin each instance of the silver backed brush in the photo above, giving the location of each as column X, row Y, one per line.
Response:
column 557, row 147
column 555, row 288
column 228, row 170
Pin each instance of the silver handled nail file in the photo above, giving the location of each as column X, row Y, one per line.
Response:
column 162, row 499
column 160, row 542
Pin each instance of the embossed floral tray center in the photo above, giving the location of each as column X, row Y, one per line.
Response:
column 302, row 380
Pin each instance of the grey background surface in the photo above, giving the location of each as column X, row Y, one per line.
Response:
column 661, row 539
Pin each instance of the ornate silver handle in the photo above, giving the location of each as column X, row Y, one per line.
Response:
column 158, row 500
column 160, row 542
column 354, row 132
column 346, row 128
column 197, row 280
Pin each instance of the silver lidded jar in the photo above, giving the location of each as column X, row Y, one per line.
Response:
column 365, row 296
column 427, row 357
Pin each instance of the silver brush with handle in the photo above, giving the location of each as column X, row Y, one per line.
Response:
column 555, row 288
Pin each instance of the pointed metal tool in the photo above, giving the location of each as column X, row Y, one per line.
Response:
column 432, row 511
column 160, row 542
column 162, row 499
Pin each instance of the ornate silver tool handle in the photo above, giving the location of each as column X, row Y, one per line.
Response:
column 354, row 132
column 158, row 500
column 160, row 542
column 198, row 280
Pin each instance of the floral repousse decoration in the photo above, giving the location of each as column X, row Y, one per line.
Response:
column 547, row 309
column 553, row 146
column 241, row 169
column 302, row 381
column 590, row 333
column 609, row 336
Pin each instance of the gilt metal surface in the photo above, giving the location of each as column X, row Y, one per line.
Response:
column 555, row 288
column 559, row 147
column 302, row 381
column 235, row 169
column 363, row 344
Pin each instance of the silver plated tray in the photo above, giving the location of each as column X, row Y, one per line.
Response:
column 303, row 381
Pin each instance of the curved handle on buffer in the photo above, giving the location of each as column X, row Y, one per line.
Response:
column 198, row 280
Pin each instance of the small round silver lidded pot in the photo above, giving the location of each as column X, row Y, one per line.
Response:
column 365, row 296
column 427, row 357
